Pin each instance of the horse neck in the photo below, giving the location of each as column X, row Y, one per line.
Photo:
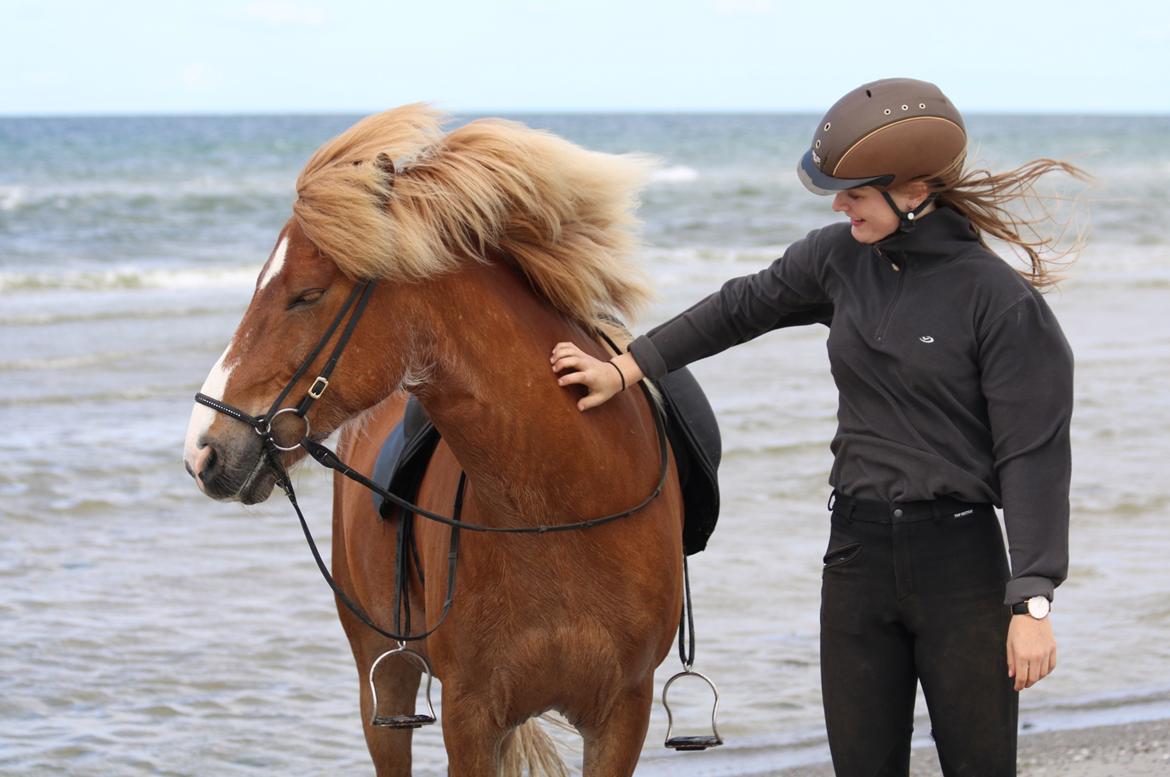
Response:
column 490, row 391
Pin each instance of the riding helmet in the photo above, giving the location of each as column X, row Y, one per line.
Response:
column 883, row 134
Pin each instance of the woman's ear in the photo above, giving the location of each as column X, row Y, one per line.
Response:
column 916, row 193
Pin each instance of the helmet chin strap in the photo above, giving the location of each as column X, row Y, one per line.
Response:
column 906, row 218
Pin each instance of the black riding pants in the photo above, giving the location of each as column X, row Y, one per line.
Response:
column 913, row 593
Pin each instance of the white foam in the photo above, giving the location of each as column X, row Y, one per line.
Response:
column 675, row 174
column 130, row 278
column 11, row 197
column 74, row 194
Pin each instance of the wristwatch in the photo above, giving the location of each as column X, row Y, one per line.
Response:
column 1038, row 607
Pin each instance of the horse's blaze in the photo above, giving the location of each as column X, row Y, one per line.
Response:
column 275, row 264
column 202, row 416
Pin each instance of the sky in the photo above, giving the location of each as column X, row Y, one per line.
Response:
column 359, row 56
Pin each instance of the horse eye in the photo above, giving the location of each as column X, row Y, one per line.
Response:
column 307, row 297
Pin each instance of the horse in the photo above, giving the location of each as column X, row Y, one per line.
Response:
column 489, row 243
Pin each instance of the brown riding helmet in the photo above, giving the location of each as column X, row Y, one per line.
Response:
column 883, row 134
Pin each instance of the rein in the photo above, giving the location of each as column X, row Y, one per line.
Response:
column 357, row 301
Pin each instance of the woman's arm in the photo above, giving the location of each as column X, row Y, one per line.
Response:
column 1027, row 379
column 789, row 292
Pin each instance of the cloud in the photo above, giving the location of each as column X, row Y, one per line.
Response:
column 284, row 13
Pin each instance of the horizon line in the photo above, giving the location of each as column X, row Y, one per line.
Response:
column 221, row 113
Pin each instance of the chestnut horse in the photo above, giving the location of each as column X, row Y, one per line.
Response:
column 490, row 243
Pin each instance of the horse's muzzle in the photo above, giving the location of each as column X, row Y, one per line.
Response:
column 233, row 469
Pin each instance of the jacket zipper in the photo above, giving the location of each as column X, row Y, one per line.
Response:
column 889, row 314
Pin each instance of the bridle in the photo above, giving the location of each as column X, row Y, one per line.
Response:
column 356, row 303
column 357, row 300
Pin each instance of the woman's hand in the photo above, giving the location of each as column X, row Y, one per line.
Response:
column 601, row 379
column 1031, row 650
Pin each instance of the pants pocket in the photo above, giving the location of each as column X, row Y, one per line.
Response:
column 841, row 554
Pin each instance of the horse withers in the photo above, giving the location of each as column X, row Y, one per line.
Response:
column 489, row 244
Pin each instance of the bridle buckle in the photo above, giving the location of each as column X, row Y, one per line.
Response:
column 318, row 387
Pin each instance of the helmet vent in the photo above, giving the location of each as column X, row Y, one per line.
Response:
column 886, row 111
column 828, row 124
column 922, row 106
column 868, row 93
column 905, row 107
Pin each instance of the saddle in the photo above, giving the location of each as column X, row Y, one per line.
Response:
column 691, row 429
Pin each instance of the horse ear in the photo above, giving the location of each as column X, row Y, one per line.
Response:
column 384, row 163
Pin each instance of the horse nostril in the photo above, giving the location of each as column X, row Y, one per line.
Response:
column 205, row 463
column 209, row 463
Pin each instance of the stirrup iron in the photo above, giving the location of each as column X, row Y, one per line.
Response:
column 702, row 741
column 401, row 721
column 686, row 651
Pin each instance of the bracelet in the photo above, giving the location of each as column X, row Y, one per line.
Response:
column 620, row 374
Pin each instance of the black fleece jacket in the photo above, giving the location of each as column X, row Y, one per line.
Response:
column 954, row 377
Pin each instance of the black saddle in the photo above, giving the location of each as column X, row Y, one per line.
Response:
column 402, row 462
column 691, row 428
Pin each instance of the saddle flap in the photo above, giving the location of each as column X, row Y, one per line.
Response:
column 698, row 447
column 402, row 462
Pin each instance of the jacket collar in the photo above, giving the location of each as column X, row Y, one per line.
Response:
column 944, row 232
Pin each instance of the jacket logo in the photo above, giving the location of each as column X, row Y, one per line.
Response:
column 926, row 339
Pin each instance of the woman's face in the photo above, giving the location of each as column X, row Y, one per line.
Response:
column 870, row 216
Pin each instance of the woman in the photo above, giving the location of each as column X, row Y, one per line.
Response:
column 955, row 385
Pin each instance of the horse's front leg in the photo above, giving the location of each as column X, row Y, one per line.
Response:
column 613, row 745
column 471, row 734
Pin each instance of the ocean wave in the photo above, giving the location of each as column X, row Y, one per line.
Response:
column 65, row 362
column 674, row 174
column 76, row 194
column 124, row 278
column 11, row 197
column 73, row 316
column 74, row 399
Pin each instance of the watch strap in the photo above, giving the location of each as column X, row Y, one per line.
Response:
column 1043, row 605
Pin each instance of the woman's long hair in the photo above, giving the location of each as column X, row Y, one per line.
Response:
column 984, row 197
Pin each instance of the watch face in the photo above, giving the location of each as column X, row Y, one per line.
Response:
column 1038, row 607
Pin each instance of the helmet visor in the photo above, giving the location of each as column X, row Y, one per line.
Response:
column 819, row 183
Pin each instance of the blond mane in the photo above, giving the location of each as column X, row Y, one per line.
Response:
column 396, row 197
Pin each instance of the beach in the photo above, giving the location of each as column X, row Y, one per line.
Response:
column 146, row 630
column 1126, row 750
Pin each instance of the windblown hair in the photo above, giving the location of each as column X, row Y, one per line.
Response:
column 396, row 197
column 984, row 197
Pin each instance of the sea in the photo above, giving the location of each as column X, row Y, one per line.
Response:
column 146, row 630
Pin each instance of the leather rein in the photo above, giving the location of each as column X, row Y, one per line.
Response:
column 356, row 302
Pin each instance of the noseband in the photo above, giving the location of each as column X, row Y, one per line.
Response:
column 357, row 301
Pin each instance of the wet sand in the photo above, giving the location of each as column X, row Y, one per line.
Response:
column 1126, row 750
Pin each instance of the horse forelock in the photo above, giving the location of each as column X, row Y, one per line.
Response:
column 563, row 214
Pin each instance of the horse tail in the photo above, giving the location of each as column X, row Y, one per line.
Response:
column 530, row 750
